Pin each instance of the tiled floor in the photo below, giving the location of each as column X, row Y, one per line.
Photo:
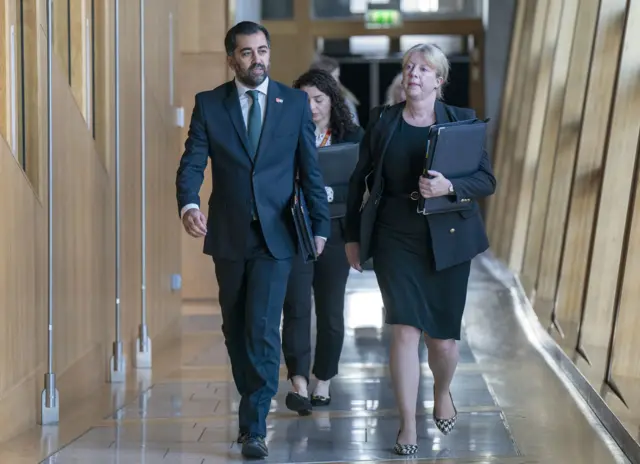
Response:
column 513, row 408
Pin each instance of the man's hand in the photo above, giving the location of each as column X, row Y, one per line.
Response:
column 436, row 186
column 320, row 242
column 195, row 223
column 352, row 249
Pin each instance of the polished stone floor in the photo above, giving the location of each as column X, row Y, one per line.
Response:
column 513, row 407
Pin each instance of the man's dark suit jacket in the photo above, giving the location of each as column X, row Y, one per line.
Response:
column 287, row 143
column 456, row 237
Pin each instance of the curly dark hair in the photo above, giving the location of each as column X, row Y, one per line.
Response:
column 341, row 119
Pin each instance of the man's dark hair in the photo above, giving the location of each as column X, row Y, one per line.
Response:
column 340, row 119
column 243, row 28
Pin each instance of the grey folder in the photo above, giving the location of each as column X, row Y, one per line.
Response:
column 455, row 150
column 337, row 163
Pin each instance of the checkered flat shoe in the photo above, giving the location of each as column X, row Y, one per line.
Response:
column 404, row 450
column 446, row 425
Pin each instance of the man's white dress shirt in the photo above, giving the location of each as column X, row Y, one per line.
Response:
column 245, row 105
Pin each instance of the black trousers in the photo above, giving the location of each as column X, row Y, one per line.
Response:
column 328, row 278
column 251, row 296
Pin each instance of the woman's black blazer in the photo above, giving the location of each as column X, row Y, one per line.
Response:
column 457, row 236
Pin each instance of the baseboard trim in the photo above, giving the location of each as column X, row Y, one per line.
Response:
column 593, row 405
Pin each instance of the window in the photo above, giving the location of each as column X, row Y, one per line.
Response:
column 19, row 87
column 369, row 45
column 4, row 72
column 73, row 44
column 277, row 9
column 353, row 9
column 11, row 77
column 406, row 6
column 81, row 66
column 450, row 44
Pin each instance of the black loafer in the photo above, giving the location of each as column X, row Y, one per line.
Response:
column 254, row 447
column 320, row 400
column 298, row 403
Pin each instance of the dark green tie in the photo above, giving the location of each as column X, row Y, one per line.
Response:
column 254, row 122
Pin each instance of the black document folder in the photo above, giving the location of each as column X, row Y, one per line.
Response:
column 454, row 149
column 302, row 223
column 337, row 163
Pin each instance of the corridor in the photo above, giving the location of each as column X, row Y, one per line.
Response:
column 513, row 408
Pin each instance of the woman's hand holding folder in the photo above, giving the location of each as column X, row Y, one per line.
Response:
column 434, row 186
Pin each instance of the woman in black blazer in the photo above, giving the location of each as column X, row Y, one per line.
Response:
column 422, row 263
column 328, row 275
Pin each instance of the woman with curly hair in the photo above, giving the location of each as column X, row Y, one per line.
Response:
column 332, row 66
column 328, row 275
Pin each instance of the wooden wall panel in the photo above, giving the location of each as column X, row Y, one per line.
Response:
column 582, row 244
column 626, row 344
column 4, row 71
column 84, row 215
column 198, row 277
column 509, row 159
column 543, row 143
column 204, row 25
column 615, row 192
column 530, row 137
column 589, row 163
column 565, row 151
column 203, row 67
column 503, row 157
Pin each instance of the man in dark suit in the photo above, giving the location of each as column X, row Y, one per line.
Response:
column 258, row 134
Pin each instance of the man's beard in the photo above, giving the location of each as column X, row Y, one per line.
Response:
column 249, row 79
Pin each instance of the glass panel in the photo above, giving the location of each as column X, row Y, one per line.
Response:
column 18, row 81
column 81, row 65
column 450, row 44
column 4, row 74
column 331, row 9
column 61, row 43
column 277, row 9
column 24, row 82
column 342, row 9
column 369, row 45
column 92, row 77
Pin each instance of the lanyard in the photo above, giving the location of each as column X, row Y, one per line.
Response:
column 327, row 134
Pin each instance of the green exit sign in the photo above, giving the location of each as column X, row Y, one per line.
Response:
column 383, row 18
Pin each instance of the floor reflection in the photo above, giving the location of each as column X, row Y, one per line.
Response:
column 194, row 421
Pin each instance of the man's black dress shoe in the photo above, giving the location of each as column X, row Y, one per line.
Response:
column 254, row 446
column 242, row 436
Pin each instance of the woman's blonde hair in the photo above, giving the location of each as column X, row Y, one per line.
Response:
column 436, row 58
